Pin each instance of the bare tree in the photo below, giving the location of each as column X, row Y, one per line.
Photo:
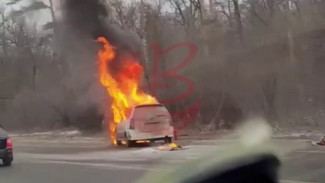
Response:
column 238, row 20
column 3, row 34
column 225, row 10
column 187, row 14
column 269, row 91
column 283, row 42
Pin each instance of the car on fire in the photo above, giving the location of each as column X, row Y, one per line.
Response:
column 5, row 147
column 146, row 123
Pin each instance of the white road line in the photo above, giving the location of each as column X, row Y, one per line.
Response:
column 321, row 151
column 57, row 142
column 60, row 146
column 80, row 157
column 114, row 166
column 294, row 181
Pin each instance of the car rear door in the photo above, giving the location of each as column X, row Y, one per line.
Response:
column 151, row 119
column 3, row 138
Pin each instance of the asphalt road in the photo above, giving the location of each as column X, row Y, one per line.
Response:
column 86, row 160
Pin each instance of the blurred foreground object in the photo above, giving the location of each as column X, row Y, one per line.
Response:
column 252, row 161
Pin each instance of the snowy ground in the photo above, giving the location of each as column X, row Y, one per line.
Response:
column 192, row 135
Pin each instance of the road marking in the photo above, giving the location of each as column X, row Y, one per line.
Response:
column 81, row 157
column 61, row 146
column 115, row 166
column 55, row 141
column 321, row 151
column 294, row 181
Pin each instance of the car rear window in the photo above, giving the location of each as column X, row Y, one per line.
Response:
column 146, row 112
column 3, row 133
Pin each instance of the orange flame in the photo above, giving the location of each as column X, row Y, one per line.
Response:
column 123, row 88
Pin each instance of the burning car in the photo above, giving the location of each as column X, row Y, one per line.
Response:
column 122, row 87
column 146, row 123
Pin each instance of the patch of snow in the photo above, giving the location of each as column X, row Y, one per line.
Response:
column 147, row 150
column 40, row 133
column 67, row 133
column 70, row 133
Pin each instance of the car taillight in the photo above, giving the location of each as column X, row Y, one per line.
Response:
column 9, row 143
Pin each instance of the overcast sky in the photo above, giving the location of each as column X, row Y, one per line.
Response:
column 35, row 18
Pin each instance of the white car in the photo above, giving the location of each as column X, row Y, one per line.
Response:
column 146, row 123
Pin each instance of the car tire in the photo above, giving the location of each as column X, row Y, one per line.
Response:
column 130, row 143
column 118, row 143
column 168, row 140
column 6, row 162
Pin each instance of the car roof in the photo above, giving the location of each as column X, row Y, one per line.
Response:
column 149, row 105
column 3, row 133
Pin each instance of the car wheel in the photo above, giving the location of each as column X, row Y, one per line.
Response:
column 6, row 162
column 130, row 143
column 168, row 140
column 118, row 143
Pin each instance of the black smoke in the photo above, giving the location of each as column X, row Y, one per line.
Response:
column 90, row 19
column 85, row 16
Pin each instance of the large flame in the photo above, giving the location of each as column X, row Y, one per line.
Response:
column 123, row 88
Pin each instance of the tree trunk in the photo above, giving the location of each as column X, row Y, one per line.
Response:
column 270, row 4
column 269, row 90
column 31, row 56
column 144, row 37
column 53, row 17
column 210, row 6
column 238, row 20
column 3, row 39
column 52, row 11
column 229, row 18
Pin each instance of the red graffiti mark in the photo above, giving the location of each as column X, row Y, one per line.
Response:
column 187, row 115
column 171, row 73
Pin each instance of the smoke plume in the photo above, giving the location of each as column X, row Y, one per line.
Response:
column 90, row 18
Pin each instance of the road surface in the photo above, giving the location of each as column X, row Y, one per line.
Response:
column 85, row 160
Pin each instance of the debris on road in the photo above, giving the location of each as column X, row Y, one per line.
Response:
column 169, row 147
column 320, row 143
